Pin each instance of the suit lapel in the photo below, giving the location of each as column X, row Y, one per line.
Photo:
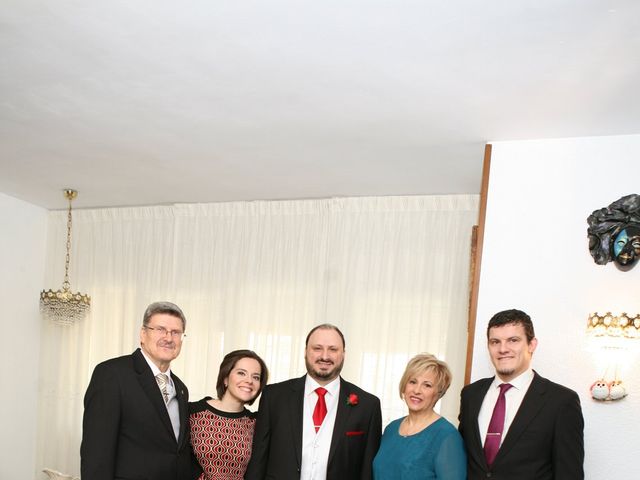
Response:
column 342, row 417
column 296, row 405
column 182, row 408
column 531, row 404
column 151, row 390
column 475, row 404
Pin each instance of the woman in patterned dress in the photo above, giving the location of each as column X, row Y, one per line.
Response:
column 222, row 428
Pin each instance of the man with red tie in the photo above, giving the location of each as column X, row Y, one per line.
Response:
column 319, row 426
column 517, row 424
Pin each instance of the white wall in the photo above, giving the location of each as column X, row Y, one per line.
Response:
column 536, row 259
column 22, row 251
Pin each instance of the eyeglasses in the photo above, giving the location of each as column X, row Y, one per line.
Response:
column 175, row 334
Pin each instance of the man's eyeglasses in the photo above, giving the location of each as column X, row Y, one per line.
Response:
column 175, row 334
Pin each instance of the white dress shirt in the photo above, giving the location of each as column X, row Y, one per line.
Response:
column 315, row 446
column 172, row 403
column 513, row 400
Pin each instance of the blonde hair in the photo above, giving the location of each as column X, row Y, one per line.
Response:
column 425, row 362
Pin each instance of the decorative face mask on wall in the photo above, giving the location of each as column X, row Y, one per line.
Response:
column 626, row 245
column 614, row 232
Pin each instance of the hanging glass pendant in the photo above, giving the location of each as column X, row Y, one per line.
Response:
column 63, row 306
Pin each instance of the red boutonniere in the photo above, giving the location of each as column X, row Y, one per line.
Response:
column 352, row 399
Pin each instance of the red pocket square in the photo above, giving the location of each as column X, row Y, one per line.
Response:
column 355, row 434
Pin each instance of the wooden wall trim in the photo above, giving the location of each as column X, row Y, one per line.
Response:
column 476, row 261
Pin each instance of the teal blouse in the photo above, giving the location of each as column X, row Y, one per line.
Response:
column 437, row 452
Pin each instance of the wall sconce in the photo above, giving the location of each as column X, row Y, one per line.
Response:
column 612, row 334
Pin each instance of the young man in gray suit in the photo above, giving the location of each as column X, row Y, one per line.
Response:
column 517, row 424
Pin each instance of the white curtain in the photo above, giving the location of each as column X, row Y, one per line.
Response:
column 391, row 272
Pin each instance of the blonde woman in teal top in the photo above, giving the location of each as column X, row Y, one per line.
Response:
column 422, row 445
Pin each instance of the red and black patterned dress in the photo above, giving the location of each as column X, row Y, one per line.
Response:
column 221, row 441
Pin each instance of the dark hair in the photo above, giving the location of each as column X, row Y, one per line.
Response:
column 163, row 307
column 515, row 317
column 229, row 362
column 325, row 326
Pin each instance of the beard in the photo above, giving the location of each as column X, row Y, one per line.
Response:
column 506, row 372
column 323, row 374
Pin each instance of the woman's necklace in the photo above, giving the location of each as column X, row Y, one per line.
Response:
column 229, row 407
column 408, row 428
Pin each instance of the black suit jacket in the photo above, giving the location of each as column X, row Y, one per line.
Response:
column 126, row 429
column 544, row 442
column 277, row 441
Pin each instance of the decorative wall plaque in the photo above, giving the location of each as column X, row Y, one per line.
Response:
column 614, row 233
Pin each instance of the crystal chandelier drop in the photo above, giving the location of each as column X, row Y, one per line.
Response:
column 64, row 307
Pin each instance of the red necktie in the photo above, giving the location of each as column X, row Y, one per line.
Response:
column 496, row 425
column 321, row 408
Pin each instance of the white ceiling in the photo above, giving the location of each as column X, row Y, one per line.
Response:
column 137, row 102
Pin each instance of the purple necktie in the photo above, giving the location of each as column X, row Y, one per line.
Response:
column 496, row 425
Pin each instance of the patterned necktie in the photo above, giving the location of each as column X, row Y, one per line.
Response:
column 163, row 380
column 321, row 408
column 496, row 425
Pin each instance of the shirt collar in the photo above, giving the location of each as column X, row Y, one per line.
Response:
column 310, row 385
column 154, row 368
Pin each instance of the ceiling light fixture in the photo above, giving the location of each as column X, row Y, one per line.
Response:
column 64, row 307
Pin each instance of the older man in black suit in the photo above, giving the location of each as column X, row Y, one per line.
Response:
column 135, row 408
column 518, row 425
column 318, row 426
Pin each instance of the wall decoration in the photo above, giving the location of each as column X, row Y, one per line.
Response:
column 611, row 339
column 614, row 233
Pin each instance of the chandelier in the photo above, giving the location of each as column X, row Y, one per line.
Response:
column 64, row 307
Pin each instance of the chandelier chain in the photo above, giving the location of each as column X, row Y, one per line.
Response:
column 66, row 285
